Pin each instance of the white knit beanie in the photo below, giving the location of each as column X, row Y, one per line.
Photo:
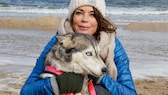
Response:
column 74, row 4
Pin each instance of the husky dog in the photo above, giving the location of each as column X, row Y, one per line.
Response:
column 78, row 53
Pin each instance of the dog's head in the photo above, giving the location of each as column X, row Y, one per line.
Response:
column 77, row 53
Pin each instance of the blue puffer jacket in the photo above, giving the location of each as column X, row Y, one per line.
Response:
column 123, row 86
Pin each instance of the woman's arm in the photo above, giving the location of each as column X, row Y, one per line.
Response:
column 34, row 85
column 124, row 84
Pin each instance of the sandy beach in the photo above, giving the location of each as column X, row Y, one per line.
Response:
column 153, row 85
column 44, row 22
column 51, row 23
column 148, row 26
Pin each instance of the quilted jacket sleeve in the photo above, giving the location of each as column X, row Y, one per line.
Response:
column 34, row 85
column 124, row 84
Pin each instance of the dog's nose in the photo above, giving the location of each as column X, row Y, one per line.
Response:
column 104, row 70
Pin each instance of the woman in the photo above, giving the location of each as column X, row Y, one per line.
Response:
column 86, row 16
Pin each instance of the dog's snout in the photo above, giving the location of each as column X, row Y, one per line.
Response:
column 104, row 70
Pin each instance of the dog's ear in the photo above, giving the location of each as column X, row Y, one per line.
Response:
column 63, row 38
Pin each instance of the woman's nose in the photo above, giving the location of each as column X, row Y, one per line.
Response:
column 85, row 18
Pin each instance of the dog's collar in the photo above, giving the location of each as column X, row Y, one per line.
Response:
column 91, row 88
column 53, row 70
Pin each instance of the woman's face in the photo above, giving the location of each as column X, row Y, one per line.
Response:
column 84, row 20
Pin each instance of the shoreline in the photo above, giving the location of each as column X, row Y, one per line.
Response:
column 153, row 86
column 50, row 22
column 11, row 83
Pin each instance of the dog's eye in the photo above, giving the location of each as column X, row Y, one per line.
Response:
column 89, row 53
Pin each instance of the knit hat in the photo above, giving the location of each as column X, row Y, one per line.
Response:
column 74, row 4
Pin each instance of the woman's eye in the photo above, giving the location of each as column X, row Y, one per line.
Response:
column 92, row 14
column 89, row 53
column 78, row 13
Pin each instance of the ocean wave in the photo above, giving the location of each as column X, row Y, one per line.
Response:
column 109, row 10
column 118, row 14
column 3, row 4
column 137, row 11
column 22, row 9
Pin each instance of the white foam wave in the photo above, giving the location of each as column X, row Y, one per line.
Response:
column 34, row 10
column 117, row 14
column 136, row 11
column 109, row 10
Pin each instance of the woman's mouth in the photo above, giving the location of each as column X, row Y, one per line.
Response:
column 83, row 27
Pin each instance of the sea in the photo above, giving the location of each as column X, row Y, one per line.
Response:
column 19, row 48
column 120, row 11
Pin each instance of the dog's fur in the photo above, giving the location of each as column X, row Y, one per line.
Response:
column 78, row 53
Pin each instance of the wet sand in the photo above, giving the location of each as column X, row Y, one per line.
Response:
column 152, row 86
column 10, row 83
column 12, row 78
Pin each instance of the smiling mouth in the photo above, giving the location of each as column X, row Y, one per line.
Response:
column 83, row 28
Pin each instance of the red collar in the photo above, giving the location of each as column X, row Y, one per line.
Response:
column 53, row 70
column 91, row 88
column 58, row 72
